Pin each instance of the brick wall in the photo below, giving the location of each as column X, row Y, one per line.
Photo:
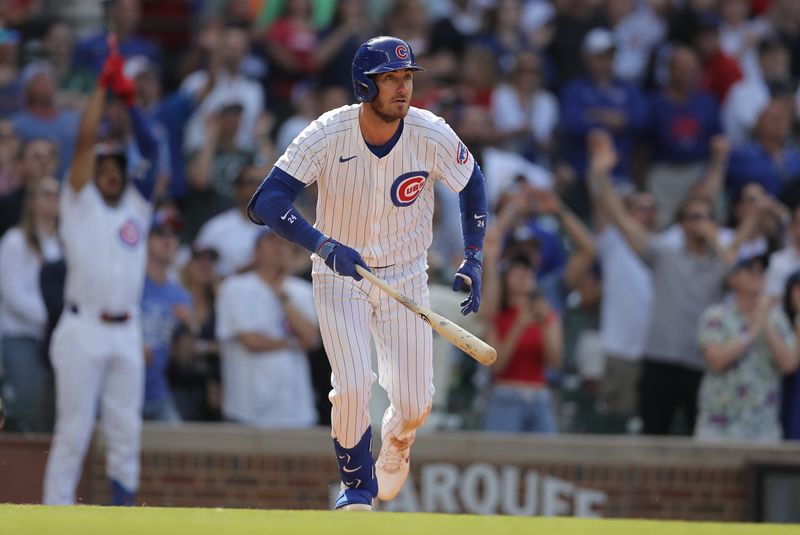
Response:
column 231, row 466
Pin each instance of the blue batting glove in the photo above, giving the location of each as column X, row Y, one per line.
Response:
column 470, row 272
column 341, row 258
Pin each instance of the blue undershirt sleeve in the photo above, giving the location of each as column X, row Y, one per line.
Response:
column 474, row 211
column 272, row 205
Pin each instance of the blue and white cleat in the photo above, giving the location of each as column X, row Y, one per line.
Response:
column 354, row 500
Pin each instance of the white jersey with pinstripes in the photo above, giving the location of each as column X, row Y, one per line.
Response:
column 381, row 207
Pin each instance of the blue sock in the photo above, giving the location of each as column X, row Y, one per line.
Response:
column 356, row 465
column 120, row 495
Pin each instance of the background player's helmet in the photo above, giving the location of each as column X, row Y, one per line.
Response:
column 379, row 54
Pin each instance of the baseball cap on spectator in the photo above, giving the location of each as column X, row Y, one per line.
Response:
column 598, row 41
column 34, row 69
column 166, row 220
column 200, row 250
column 138, row 65
column 749, row 261
column 228, row 103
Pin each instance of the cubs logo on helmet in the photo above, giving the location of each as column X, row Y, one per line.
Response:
column 407, row 187
column 130, row 233
column 378, row 55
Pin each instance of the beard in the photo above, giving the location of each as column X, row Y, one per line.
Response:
column 385, row 114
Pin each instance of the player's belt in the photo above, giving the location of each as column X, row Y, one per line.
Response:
column 105, row 316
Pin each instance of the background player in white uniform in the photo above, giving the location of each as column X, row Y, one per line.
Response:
column 96, row 349
column 375, row 165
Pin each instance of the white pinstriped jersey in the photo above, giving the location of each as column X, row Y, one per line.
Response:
column 105, row 247
column 381, row 207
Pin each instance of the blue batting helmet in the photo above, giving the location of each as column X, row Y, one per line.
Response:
column 379, row 54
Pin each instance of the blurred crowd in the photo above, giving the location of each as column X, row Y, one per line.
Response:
column 642, row 262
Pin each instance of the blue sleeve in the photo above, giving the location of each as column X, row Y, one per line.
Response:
column 638, row 110
column 148, row 148
column 572, row 111
column 474, row 210
column 272, row 205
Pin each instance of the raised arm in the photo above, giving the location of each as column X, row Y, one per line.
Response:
column 585, row 251
column 81, row 171
column 602, row 159
column 714, row 179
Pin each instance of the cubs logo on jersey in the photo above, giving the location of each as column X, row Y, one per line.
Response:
column 407, row 187
column 401, row 52
column 130, row 233
column 462, row 153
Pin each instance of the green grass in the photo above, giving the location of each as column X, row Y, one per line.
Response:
column 89, row 520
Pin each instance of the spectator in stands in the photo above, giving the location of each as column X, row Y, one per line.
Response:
column 166, row 305
column 748, row 345
column 770, row 159
column 213, row 169
column 35, row 159
column 125, row 17
column 503, row 34
column 10, row 87
column 769, row 232
column 525, row 114
column 739, row 35
column 291, row 43
column 231, row 233
column 338, row 44
column 41, row 117
column 720, row 71
column 673, row 364
column 600, row 101
column 748, row 98
column 783, row 17
column 28, row 384
column 528, row 338
column 230, row 83
column 265, row 324
column 627, row 289
column 58, row 47
column 783, row 263
column 194, row 375
column 571, row 25
column 638, row 29
column 790, row 402
column 9, row 151
column 683, row 119
column 170, row 113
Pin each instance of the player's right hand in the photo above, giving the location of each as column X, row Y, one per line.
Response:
column 341, row 258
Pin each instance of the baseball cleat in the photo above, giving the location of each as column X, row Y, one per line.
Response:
column 392, row 467
column 354, row 500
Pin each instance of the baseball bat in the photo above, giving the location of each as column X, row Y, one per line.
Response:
column 461, row 338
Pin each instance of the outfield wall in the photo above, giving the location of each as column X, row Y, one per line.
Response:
column 586, row 475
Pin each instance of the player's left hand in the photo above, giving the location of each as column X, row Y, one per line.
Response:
column 470, row 272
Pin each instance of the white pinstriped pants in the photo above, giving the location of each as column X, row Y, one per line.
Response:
column 95, row 361
column 348, row 311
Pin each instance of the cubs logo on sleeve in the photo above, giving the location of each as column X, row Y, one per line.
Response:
column 407, row 187
column 130, row 233
column 462, row 153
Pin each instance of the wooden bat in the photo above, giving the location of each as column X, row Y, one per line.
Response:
column 462, row 339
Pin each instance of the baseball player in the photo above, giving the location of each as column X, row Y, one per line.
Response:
column 375, row 164
column 96, row 349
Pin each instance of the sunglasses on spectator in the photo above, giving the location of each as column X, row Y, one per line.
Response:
column 48, row 193
column 697, row 216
